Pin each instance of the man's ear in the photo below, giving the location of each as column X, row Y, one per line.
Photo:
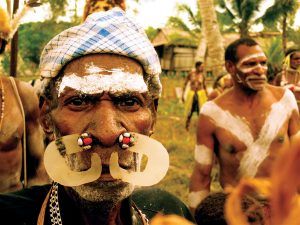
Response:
column 230, row 67
column 46, row 120
column 153, row 108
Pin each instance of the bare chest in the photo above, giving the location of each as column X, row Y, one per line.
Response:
column 11, row 121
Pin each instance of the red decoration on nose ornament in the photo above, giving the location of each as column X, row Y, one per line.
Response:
column 126, row 140
column 85, row 141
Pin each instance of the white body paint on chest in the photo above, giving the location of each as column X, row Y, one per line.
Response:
column 95, row 82
column 257, row 150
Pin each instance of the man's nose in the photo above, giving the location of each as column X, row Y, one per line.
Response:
column 108, row 124
column 261, row 69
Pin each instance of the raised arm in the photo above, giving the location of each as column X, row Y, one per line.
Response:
column 204, row 154
column 34, row 136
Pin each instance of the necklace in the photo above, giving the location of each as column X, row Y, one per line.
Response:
column 54, row 206
column 55, row 216
column 2, row 103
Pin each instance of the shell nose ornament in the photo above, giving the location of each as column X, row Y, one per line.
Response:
column 126, row 140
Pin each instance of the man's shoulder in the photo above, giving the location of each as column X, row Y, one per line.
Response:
column 22, row 207
column 278, row 92
column 153, row 200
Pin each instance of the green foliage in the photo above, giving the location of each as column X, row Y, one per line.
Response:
column 243, row 13
column 5, row 62
column 58, row 7
column 193, row 30
column 274, row 53
column 294, row 36
column 280, row 8
column 151, row 32
column 34, row 36
column 178, row 39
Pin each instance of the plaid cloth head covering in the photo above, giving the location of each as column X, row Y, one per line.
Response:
column 102, row 32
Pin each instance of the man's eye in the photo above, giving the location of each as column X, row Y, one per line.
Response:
column 78, row 102
column 264, row 63
column 250, row 64
column 130, row 104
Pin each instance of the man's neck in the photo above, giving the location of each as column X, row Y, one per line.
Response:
column 104, row 213
column 247, row 95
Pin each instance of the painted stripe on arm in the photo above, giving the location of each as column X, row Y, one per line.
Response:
column 194, row 198
column 203, row 155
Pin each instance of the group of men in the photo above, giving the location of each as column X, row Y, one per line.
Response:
column 99, row 95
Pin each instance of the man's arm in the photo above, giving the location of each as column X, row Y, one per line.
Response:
column 34, row 136
column 204, row 154
column 294, row 121
column 187, row 79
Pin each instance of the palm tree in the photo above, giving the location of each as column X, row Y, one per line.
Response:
column 275, row 57
column 195, row 34
column 282, row 13
column 8, row 6
column 215, row 48
column 243, row 13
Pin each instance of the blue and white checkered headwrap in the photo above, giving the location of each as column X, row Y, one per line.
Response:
column 102, row 32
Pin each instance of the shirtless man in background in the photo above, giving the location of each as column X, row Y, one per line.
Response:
column 246, row 127
column 195, row 90
column 11, row 135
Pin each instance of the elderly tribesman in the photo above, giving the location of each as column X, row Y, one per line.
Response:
column 100, row 90
column 246, row 127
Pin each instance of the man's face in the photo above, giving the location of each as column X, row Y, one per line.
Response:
column 200, row 68
column 104, row 95
column 251, row 69
column 295, row 60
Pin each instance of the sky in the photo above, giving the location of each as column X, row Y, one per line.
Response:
column 153, row 13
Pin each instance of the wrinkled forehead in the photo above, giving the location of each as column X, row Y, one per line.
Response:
column 103, row 72
column 252, row 57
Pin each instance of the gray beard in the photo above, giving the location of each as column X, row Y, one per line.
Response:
column 98, row 199
column 98, row 191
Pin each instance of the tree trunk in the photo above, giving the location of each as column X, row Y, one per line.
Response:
column 200, row 54
column 214, row 39
column 8, row 7
column 284, row 32
column 14, row 47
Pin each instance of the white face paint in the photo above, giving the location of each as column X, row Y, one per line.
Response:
column 249, row 57
column 257, row 150
column 203, row 155
column 254, row 82
column 194, row 198
column 96, row 82
column 260, row 82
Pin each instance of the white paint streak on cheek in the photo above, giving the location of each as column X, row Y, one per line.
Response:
column 194, row 198
column 97, row 83
column 203, row 155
